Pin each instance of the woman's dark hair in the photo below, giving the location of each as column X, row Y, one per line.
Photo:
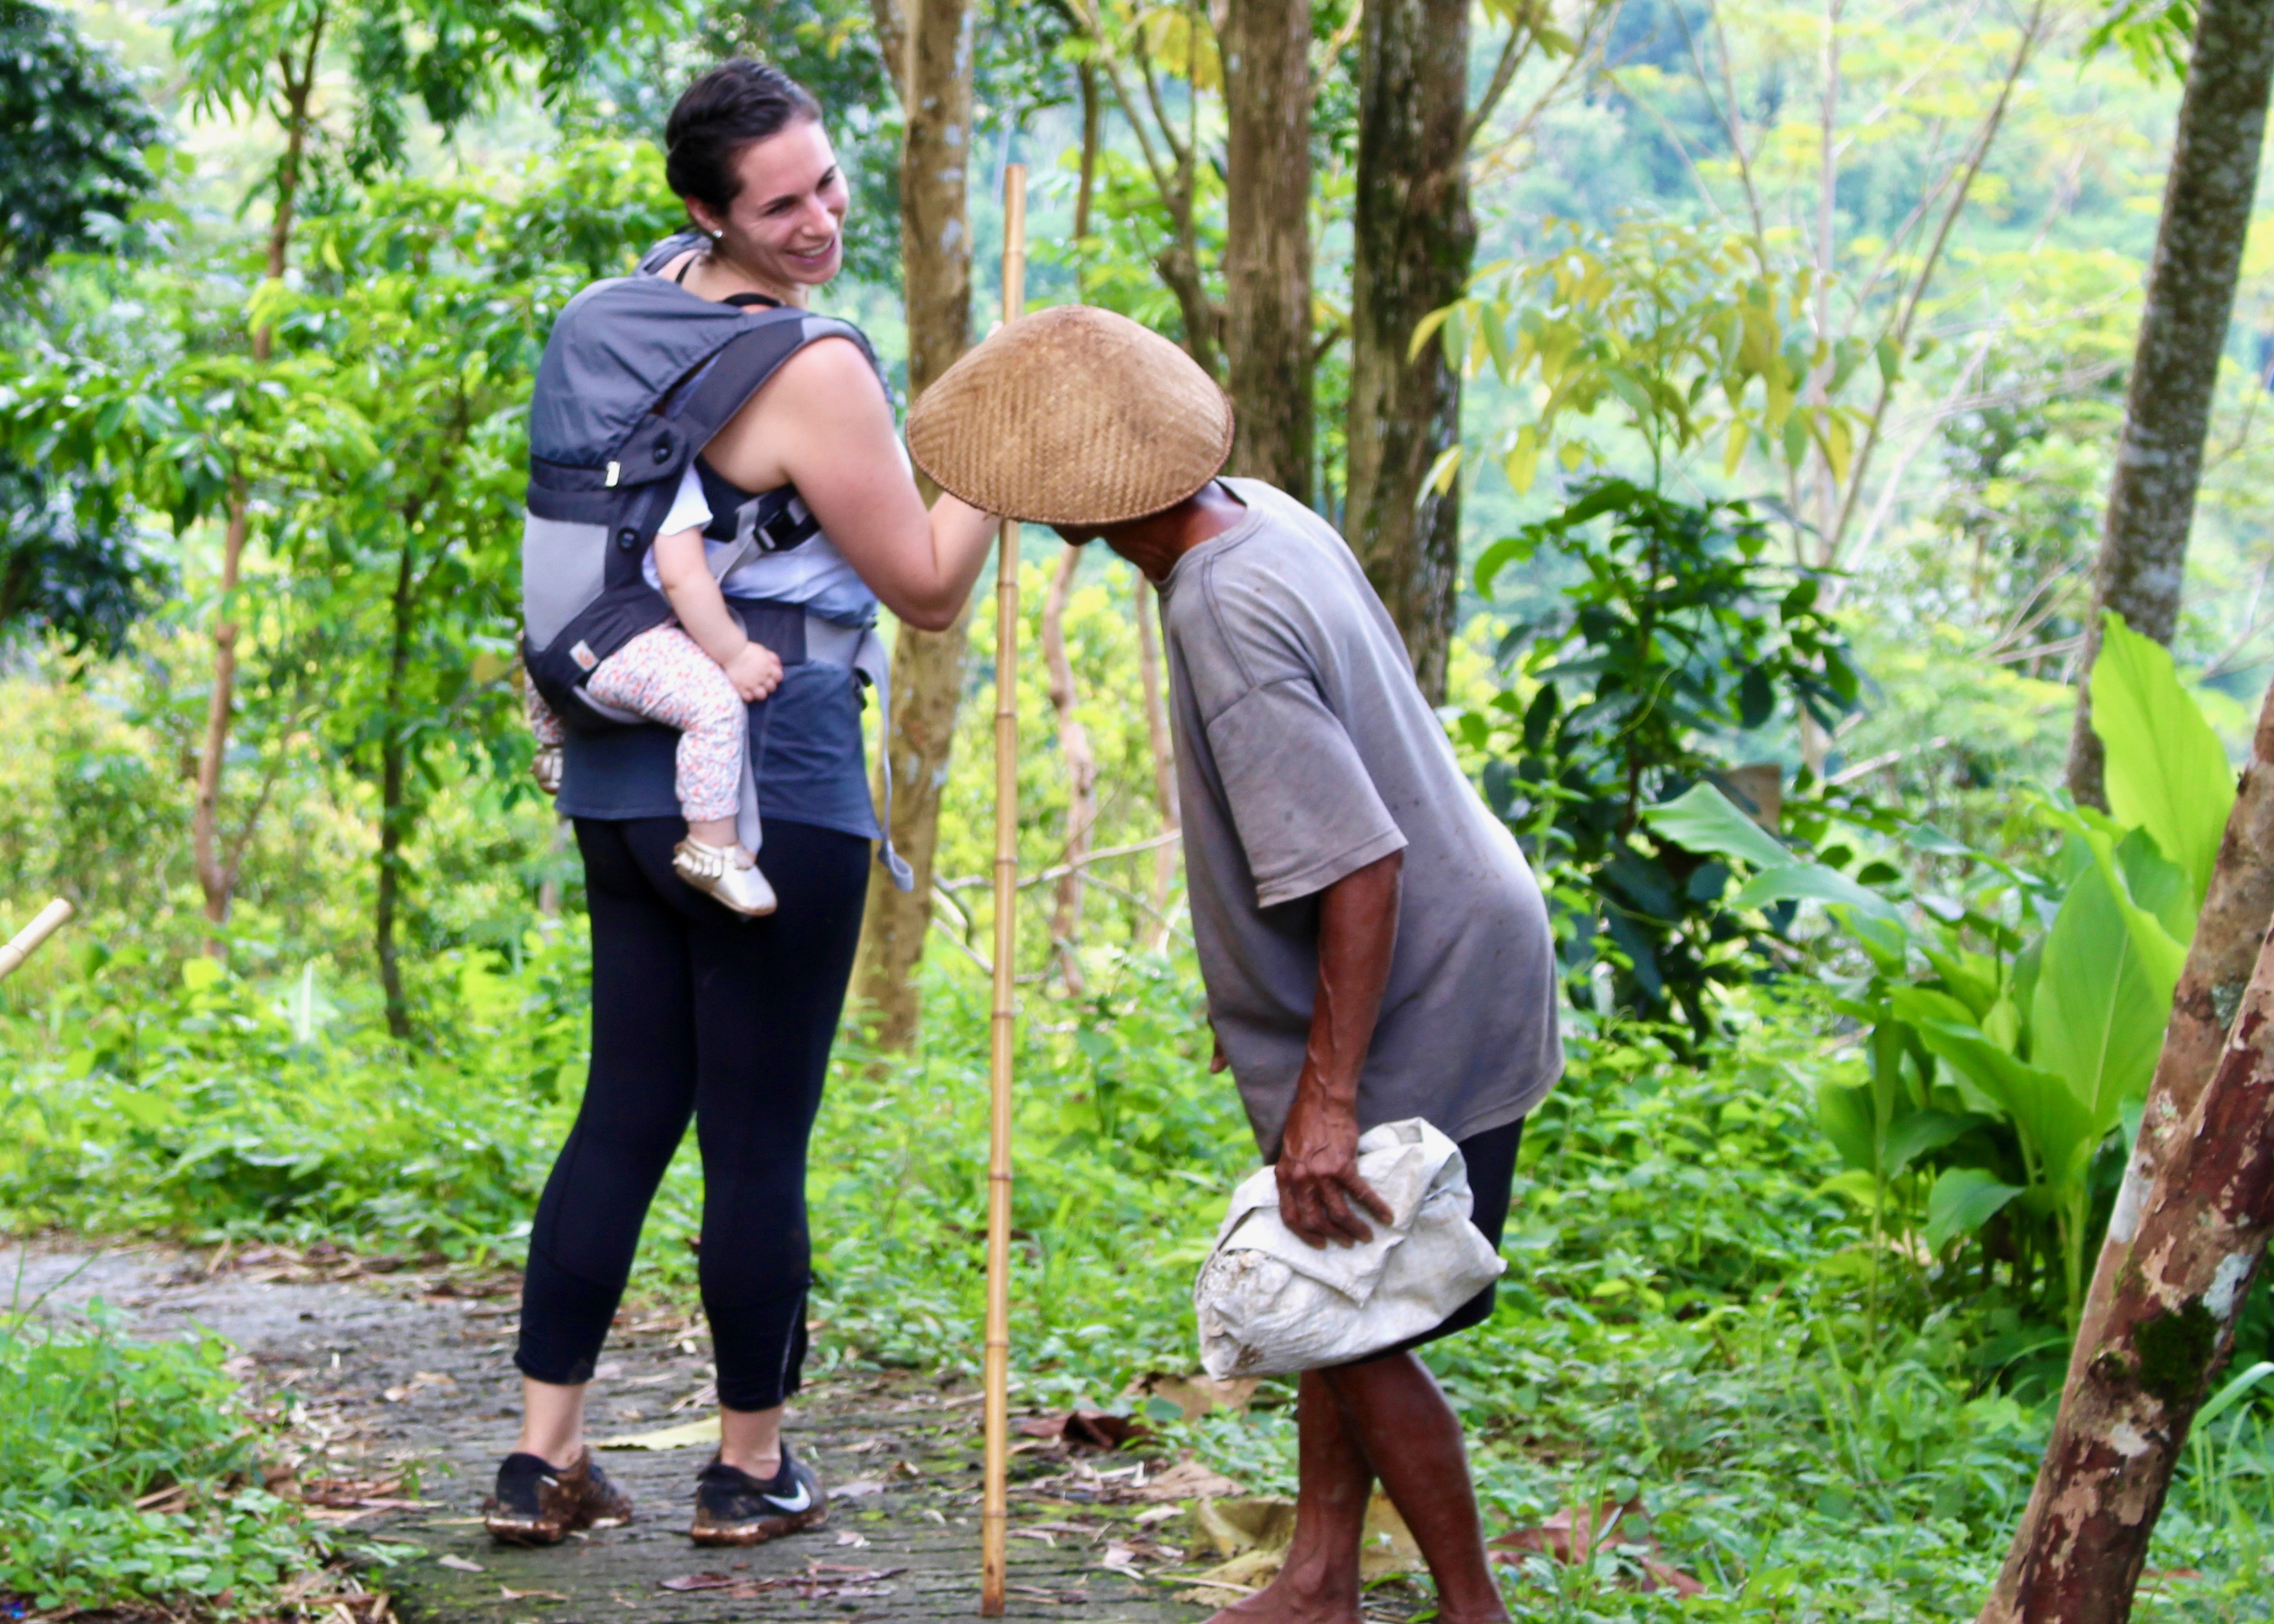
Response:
column 733, row 105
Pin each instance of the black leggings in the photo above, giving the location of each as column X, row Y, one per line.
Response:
column 697, row 1012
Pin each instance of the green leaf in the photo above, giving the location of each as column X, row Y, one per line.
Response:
column 2097, row 1017
column 1844, row 1113
column 1961, row 1201
column 1918, row 1134
column 2059, row 1129
column 2166, row 771
column 1705, row 821
column 1809, row 882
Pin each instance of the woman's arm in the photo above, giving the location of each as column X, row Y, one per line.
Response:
column 823, row 425
column 685, row 572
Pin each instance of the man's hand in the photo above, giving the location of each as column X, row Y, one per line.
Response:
column 1318, row 1173
column 1318, row 1150
column 756, row 672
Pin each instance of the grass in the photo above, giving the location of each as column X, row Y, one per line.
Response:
column 1683, row 1319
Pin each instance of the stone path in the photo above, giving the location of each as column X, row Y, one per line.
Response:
column 403, row 1392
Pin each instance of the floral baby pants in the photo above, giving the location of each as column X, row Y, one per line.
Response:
column 663, row 675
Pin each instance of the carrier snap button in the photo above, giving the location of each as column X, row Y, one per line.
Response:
column 628, row 538
column 663, row 449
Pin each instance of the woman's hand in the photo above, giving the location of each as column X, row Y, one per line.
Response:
column 1318, row 1170
column 756, row 672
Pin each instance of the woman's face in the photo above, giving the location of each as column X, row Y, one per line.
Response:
column 786, row 226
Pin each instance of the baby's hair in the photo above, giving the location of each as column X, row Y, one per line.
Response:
column 733, row 105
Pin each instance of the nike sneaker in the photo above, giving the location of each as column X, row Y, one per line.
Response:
column 537, row 1503
column 733, row 1508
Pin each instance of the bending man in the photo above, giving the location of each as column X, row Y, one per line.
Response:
column 1373, row 946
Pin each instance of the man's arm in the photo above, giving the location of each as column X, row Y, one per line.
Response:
column 1318, row 1154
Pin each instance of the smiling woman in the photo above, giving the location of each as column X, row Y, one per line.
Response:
column 804, row 510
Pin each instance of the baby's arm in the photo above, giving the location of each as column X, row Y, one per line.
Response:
column 702, row 613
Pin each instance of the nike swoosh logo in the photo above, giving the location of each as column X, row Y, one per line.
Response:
column 804, row 1498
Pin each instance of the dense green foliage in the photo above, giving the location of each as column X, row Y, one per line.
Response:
column 95, row 1423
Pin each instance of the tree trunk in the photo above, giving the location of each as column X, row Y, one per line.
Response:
column 1093, row 110
column 1081, row 773
column 2206, row 201
column 217, row 879
column 2237, row 909
column 1412, row 242
column 2136, row 1384
column 213, row 877
column 393, row 814
column 934, row 82
column 1267, row 256
column 1161, row 745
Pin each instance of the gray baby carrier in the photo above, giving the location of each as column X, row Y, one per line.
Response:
column 637, row 376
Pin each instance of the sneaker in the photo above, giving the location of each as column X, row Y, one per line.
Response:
column 537, row 1503
column 728, row 872
column 733, row 1508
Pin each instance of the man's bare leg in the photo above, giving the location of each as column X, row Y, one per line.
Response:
column 1397, row 1416
column 1318, row 1582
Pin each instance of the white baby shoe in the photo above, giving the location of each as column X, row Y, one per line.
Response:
column 728, row 872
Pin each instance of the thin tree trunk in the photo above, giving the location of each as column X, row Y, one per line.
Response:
column 1412, row 242
column 2135, row 1386
column 1161, row 746
column 935, row 81
column 205, row 819
column 1082, row 772
column 393, row 814
column 217, row 879
column 1092, row 111
column 2207, row 203
column 1267, row 256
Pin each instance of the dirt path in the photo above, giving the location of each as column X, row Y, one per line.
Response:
column 404, row 1391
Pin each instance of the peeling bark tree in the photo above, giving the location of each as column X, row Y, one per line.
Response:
column 2206, row 201
column 1081, row 773
column 1412, row 242
column 2074, row 1537
column 929, row 45
column 1267, row 255
column 2200, row 1234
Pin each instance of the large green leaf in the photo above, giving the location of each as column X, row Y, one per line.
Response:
column 2099, row 1016
column 1962, row 1200
column 1807, row 881
column 2166, row 771
column 2061, row 1132
column 1705, row 820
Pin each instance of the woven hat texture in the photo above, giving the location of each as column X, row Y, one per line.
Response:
column 1072, row 415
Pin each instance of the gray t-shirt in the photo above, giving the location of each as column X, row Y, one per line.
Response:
column 1304, row 751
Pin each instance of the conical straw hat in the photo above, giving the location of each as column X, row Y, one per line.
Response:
column 1072, row 415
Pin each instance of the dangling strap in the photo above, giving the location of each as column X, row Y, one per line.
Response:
column 874, row 661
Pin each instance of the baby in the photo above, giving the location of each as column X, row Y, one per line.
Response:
column 693, row 673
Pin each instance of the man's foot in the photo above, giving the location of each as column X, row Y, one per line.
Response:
column 728, row 872
column 1283, row 1601
column 537, row 1503
column 733, row 1508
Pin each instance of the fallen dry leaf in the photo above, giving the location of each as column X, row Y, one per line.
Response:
column 860, row 1488
column 1084, row 1428
column 504, row 1594
column 459, row 1564
column 1187, row 1480
column 1195, row 1395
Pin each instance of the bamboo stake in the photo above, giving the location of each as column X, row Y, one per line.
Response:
column 26, row 941
column 995, row 1511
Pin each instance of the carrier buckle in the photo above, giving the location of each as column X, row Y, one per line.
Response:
column 613, row 469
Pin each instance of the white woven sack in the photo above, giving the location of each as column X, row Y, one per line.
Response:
column 1271, row 1304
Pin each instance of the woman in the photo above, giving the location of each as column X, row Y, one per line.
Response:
column 696, row 1011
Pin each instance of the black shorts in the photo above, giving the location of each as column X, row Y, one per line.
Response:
column 1491, row 1160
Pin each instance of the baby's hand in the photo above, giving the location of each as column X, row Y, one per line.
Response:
column 756, row 672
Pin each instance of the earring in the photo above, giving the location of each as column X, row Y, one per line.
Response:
column 717, row 237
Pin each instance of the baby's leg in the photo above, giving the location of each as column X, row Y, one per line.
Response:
column 542, row 722
column 663, row 675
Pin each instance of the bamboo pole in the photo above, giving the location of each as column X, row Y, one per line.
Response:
column 26, row 941
column 994, row 1518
